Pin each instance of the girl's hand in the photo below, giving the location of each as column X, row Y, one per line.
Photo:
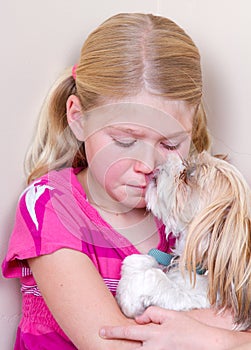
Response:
column 161, row 329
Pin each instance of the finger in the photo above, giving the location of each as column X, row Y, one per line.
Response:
column 138, row 333
column 156, row 315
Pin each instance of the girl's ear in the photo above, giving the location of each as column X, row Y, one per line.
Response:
column 75, row 116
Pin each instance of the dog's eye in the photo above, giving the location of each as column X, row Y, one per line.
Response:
column 191, row 171
column 188, row 173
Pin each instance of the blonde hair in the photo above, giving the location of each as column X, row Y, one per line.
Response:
column 126, row 54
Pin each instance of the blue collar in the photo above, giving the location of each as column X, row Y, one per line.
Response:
column 162, row 258
column 166, row 259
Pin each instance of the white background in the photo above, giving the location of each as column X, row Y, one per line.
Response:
column 39, row 39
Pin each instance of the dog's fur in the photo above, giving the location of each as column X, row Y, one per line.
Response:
column 206, row 203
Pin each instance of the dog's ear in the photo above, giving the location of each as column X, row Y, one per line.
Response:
column 219, row 239
column 230, row 260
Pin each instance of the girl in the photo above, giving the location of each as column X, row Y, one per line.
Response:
column 134, row 97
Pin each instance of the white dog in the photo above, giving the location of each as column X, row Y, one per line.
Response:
column 206, row 203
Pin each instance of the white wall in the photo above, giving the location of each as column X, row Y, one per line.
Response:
column 40, row 38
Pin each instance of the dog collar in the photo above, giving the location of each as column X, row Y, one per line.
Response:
column 162, row 258
column 166, row 259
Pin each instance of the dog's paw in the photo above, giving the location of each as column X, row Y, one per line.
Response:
column 137, row 292
column 132, row 291
column 130, row 306
column 138, row 262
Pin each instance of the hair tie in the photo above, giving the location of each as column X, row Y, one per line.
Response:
column 73, row 71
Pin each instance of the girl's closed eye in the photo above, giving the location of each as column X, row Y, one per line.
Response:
column 173, row 144
column 124, row 142
column 170, row 146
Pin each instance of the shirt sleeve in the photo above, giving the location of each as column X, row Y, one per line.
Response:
column 44, row 223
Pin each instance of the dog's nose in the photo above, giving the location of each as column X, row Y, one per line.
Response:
column 154, row 175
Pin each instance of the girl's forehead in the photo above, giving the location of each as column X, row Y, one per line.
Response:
column 139, row 131
column 175, row 119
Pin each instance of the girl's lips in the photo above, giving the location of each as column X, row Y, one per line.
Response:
column 140, row 189
column 137, row 186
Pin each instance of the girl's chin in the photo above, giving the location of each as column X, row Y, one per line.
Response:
column 138, row 204
column 129, row 201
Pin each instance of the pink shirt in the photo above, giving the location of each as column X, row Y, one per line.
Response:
column 54, row 213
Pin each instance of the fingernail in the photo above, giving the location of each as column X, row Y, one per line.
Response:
column 102, row 333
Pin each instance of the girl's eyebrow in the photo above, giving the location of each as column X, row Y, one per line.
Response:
column 127, row 130
column 138, row 132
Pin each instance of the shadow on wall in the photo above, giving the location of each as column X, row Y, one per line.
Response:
column 10, row 296
column 10, row 312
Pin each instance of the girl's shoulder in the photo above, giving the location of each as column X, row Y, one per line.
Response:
column 56, row 186
column 63, row 180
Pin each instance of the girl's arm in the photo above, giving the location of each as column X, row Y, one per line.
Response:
column 78, row 299
column 164, row 329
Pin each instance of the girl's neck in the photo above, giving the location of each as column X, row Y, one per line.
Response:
column 137, row 224
column 120, row 214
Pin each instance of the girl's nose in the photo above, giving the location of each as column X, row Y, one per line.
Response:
column 143, row 167
column 147, row 161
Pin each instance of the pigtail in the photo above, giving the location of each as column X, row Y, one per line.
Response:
column 200, row 136
column 55, row 145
